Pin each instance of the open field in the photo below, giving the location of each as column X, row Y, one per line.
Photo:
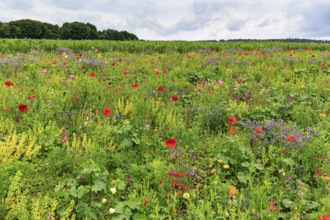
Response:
column 164, row 130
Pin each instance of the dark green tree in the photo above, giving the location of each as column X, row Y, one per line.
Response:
column 92, row 31
column 110, row 34
column 4, row 30
column 25, row 28
column 129, row 36
column 75, row 30
column 50, row 31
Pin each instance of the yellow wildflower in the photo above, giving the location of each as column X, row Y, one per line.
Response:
column 226, row 166
column 186, row 195
column 112, row 210
column 113, row 190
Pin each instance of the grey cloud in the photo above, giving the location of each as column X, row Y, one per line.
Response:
column 20, row 4
column 236, row 25
column 203, row 14
column 315, row 17
column 69, row 5
column 266, row 22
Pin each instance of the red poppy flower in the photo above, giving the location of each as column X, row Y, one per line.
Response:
column 146, row 201
column 231, row 120
column 259, row 130
column 318, row 172
column 65, row 63
column 160, row 89
column 135, row 85
column 31, row 96
column 157, row 72
column 93, row 74
column 160, row 181
column 291, row 137
column 164, row 71
column 22, row 107
column 232, row 130
column 8, row 83
column 171, row 142
column 5, row 109
column 83, row 67
column 326, row 217
column 324, row 67
column 175, row 98
column 107, row 111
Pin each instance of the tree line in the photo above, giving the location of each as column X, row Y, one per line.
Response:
column 27, row 28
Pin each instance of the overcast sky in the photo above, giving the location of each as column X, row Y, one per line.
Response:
column 184, row 19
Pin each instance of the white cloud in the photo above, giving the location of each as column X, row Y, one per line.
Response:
column 184, row 19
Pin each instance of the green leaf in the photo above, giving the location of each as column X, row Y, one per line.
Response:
column 136, row 140
column 118, row 217
column 245, row 164
column 126, row 142
column 258, row 166
column 78, row 193
column 133, row 203
column 121, row 185
column 287, row 203
column 119, row 208
column 326, row 202
column 98, row 186
column 139, row 216
column 127, row 213
column 311, row 205
column 96, row 205
column 242, row 177
column 85, row 211
column 242, row 149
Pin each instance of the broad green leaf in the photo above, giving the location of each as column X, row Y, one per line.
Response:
column 311, row 205
column 98, row 186
column 242, row 177
column 126, row 142
column 258, row 166
column 287, row 203
column 121, row 185
column 139, row 216
column 127, row 213
column 245, row 164
column 133, row 203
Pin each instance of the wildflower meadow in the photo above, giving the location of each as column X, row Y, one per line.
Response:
column 164, row 130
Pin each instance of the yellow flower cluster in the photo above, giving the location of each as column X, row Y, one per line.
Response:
column 17, row 146
column 125, row 108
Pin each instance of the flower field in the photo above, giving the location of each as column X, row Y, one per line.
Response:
column 164, row 130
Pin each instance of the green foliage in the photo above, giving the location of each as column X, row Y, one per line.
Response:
column 87, row 185
column 140, row 130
